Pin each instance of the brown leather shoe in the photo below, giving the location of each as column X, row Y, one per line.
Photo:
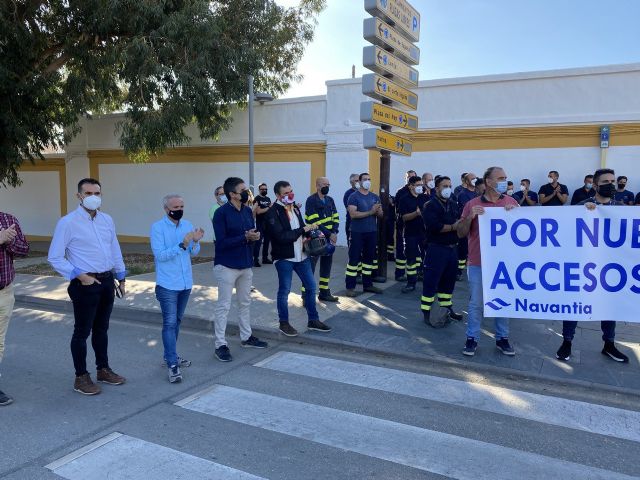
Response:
column 85, row 385
column 106, row 375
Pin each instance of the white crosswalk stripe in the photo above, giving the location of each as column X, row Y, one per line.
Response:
column 120, row 456
column 562, row 412
column 449, row 455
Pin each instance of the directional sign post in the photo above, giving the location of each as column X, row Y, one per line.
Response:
column 392, row 30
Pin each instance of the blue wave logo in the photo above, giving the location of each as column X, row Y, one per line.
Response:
column 497, row 304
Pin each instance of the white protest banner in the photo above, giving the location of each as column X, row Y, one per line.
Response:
column 561, row 263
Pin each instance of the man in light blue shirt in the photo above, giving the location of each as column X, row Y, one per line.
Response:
column 173, row 241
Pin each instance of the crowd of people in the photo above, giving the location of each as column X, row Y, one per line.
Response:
column 432, row 236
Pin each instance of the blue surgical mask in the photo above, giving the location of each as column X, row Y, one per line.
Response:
column 502, row 186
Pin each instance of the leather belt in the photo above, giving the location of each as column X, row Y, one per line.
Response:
column 100, row 275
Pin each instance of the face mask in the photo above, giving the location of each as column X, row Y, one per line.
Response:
column 608, row 190
column 550, row 180
column 366, row 184
column 176, row 214
column 324, row 190
column 419, row 189
column 356, row 185
column 446, row 192
column 588, row 186
column 244, row 197
column 510, row 192
column 222, row 198
column 473, row 182
column 523, row 188
column 288, row 199
column 621, row 186
column 502, row 187
column 431, row 184
column 92, row 202
column 263, row 193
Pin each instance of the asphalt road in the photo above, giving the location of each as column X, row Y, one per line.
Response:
column 295, row 412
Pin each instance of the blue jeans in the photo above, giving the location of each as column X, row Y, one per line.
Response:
column 476, row 307
column 285, row 270
column 608, row 328
column 172, row 304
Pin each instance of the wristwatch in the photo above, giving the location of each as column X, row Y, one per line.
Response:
column 181, row 245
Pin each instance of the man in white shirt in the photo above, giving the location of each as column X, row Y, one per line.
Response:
column 85, row 250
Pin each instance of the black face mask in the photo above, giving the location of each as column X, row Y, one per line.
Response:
column 324, row 190
column 244, row 197
column 263, row 193
column 176, row 214
column 621, row 186
column 608, row 190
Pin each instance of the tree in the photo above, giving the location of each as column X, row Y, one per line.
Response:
column 166, row 63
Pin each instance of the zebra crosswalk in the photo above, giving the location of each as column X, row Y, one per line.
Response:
column 416, row 447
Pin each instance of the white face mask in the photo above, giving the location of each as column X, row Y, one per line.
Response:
column 446, row 192
column 222, row 199
column 550, row 180
column 419, row 189
column 357, row 185
column 510, row 192
column 92, row 202
column 431, row 184
column 523, row 188
column 366, row 184
column 473, row 182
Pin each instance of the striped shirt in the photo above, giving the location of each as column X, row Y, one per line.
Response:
column 18, row 247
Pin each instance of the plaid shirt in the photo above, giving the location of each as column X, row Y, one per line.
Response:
column 19, row 247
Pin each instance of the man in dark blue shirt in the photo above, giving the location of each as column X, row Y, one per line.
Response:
column 235, row 234
column 465, row 194
column 525, row 197
column 353, row 180
column 584, row 192
column 623, row 195
column 401, row 261
column 410, row 209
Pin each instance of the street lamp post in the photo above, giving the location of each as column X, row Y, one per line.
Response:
column 262, row 98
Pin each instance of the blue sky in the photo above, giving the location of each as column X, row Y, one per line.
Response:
column 481, row 37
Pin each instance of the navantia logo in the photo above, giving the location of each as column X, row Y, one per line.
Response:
column 497, row 304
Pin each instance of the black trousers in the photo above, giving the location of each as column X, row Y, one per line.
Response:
column 92, row 307
column 263, row 242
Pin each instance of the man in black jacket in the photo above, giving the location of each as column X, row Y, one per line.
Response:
column 286, row 227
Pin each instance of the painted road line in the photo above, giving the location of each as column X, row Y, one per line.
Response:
column 427, row 450
column 613, row 422
column 122, row 456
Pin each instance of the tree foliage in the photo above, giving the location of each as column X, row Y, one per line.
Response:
column 166, row 63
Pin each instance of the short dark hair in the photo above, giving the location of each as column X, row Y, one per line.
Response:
column 414, row 179
column 600, row 172
column 440, row 178
column 554, row 171
column 526, row 180
column 463, row 176
column 87, row 181
column 488, row 172
column 410, row 171
column 280, row 184
column 509, row 183
column 479, row 181
column 588, row 177
column 362, row 175
column 262, row 185
column 622, row 177
column 230, row 185
column 218, row 188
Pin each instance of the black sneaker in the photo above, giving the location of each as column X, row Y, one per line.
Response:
column 175, row 375
column 372, row 289
column 328, row 297
column 454, row 315
column 288, row 330
column 182, row 362
column 613, row 353
column 564, row 352
column 256, row 263
column 254, row 342
column 223, row 354
column 408, row 288
column 318, row 326
column 5, row 399
column 403, row 278
column 504, row 346
column 470, row 347
column 379, row 279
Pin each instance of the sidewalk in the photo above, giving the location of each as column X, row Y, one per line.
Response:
column 390, row 323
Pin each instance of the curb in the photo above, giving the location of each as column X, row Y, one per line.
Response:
column 198, row 323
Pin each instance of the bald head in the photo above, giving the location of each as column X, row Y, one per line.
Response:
column 322, row 185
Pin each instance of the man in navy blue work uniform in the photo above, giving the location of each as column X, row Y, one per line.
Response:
column 466, row 193
column 320, row 210
column 364, row 210
column 440, row 216
column 410, row 209
column 401, row 261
